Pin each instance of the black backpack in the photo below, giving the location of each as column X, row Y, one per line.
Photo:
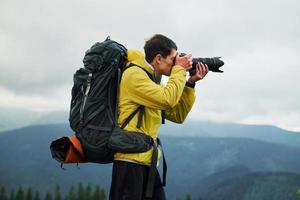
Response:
column 93, row 110
column 94, row 105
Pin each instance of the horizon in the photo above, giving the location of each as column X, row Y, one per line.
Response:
column 58, row 120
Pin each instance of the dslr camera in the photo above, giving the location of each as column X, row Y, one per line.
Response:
column 213, row 64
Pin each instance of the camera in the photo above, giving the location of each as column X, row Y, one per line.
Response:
column 213, row 64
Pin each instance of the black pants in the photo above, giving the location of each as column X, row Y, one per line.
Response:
column 129, row 182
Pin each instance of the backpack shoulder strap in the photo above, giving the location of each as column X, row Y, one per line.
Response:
column 135, row 65
column 140, row 109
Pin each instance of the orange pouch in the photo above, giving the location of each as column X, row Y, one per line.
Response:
column 67, row 150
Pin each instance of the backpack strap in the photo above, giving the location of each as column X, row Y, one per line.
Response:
column 140, row 109
column 129, row 118
column 165, row 168
column 163, row 116
column 132, row 65
column 152, row 170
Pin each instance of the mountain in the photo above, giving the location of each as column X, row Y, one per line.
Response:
column 257, row 186
column 222, row 175
column 56, row 117
column 12, row 118
column 212, row 129
column 194, row 163
column 195, row 159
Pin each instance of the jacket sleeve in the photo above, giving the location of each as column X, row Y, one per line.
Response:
column 143, row 91
column 178, row 113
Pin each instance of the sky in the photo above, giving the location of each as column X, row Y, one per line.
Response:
column 42, row 44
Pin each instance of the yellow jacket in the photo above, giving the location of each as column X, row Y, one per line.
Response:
column 136, row 88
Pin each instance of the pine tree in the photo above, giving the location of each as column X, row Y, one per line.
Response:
column 3, row 195
column 48, row 196
column 298, row 193
column 102, row 195
column 12, row 195
column 96, row 194
column 71, row 194
column 81, row 192
column 20, row 194
column 37, row 196
column 28, row 194
column 57, row 195
column 88, row 192
column 188, row 197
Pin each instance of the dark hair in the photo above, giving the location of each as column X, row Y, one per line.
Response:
column 158, row 44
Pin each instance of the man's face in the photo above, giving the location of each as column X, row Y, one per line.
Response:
column 165, row 65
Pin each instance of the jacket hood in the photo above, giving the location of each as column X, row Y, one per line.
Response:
column 138, row 58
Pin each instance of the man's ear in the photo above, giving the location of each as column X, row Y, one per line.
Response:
column 158, row 58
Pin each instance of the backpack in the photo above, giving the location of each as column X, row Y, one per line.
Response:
column 93, row 109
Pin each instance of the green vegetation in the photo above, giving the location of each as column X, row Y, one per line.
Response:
column 80, row 193
column 258, row 186
column 298, row 193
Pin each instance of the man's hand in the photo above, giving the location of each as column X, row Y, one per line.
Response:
column 184, row 61
column 201, row 71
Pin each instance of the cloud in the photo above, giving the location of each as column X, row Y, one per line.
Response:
column 43, row 43
column 54, row 102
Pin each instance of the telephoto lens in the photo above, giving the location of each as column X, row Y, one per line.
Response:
column 213, row 64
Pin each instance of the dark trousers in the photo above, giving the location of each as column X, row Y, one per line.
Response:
column 129, row 182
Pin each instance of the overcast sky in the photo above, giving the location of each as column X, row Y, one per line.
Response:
column 42, row 44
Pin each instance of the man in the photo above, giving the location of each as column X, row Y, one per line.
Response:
column 130, row 170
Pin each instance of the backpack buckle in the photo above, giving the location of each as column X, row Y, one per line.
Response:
column 151, row 141
column 89, row 79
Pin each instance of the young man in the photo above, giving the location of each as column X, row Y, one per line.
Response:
column 130, row 170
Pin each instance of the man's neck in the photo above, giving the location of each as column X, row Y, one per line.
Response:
column 150, row 66
column 157, row 76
